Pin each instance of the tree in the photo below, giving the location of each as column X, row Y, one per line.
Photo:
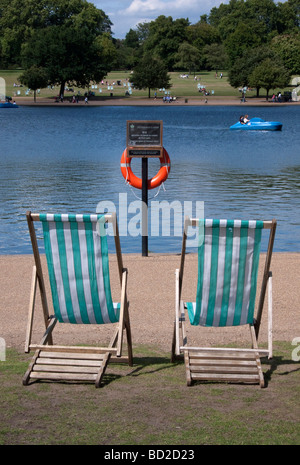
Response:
column 240, row 71
column 188, row 57
column 269, row 75
column 74, row 47
column 34, row 78
column 215, row 56
column 287, row 47
column 164, row 38
column 150, row 73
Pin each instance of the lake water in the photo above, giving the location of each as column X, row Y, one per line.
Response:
column 67, row 159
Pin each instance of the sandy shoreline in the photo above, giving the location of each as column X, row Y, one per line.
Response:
column 151, row 292
column 135, row 101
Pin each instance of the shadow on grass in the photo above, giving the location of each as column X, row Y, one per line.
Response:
column 152, row 364
column 275, row 363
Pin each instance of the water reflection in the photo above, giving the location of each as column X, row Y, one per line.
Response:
column 68, row 159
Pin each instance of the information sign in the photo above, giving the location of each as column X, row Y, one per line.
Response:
column 144, row 139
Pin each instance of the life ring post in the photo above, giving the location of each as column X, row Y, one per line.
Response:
column 144, row 140
column 145, row 207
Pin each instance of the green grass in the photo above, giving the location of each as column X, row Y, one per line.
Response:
column 180, row 87
column 150, row 404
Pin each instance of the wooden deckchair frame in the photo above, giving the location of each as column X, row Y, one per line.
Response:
column 206, row 363
column 72, row 362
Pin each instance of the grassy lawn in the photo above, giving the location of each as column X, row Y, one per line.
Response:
column 150, row 404
column 181, row 87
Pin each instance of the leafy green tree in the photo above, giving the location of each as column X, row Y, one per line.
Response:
column 243, row 38
column 269, row 75
column 150, row 73
column 18, row 20
column 202, row 33
column 164, row 38
column 189, row 57
column 215, row 57
column 75, row 47
column 288, row 20
column 240, row 71
column 287, row 46
column 34, row 78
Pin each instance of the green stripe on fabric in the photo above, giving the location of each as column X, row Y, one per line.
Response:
column 64, row 269
column 195, row 318
column 190, row 310
column 227, row 274
column 255, row 263
column 213, row 273
column 52, row 279
column 241, row 273
column 105, row 267
column 92, row 271
column 78, row 272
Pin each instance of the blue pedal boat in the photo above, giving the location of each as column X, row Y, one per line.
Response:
column 258, row 124
column 8, row 105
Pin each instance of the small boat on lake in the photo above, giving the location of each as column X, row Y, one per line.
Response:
column 258, row 124
column 8, row 105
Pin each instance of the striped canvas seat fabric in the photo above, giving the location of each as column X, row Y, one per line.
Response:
column 77, row 258
column 228, row 257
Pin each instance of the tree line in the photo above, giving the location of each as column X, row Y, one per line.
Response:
column 70, row 41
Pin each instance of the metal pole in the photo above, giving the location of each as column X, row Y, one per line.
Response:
column 145, row 207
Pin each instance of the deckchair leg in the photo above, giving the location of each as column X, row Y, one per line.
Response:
column 129, row 341
column 26, row 377
column 31, row 309
column 102, row 369
column 173, row 358
column 258, row 362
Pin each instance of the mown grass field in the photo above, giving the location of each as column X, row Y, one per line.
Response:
column 181, row 87
column 150, row 404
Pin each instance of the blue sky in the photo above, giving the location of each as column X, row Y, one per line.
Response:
column 126, row 14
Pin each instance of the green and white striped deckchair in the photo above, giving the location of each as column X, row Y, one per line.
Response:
column 228, row 260
column 78, row 268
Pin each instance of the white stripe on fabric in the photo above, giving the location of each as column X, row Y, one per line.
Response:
column 207, row 268
column 234, row 272
column 220, row 275
column 248, row 275
column 85, row 272
column 71, row 272
column 99, row 275
column 57, row 271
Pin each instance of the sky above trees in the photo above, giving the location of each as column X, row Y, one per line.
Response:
column 126, row 14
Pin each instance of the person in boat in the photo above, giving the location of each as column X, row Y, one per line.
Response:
column 246, row 119
column 242, row 119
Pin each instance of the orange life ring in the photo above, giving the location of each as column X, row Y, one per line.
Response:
column 156, row 181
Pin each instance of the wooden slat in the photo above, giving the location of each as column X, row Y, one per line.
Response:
column 226, row 377
column 71, row 355
column 234, row 362
column 65, row 369
column 222, row 369
column 220, row 351
column 67, row 366
column 74, row 349
column 223, row 365
column 71, row 362
column 63, row 376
